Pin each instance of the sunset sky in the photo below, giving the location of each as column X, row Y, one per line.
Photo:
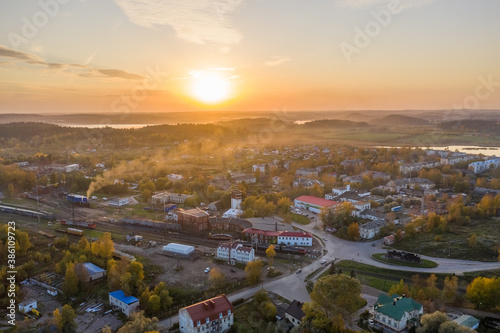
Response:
column 101, row 56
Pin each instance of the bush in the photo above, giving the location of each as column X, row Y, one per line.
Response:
column 238, row 301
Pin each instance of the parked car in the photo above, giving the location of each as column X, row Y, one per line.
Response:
column 207, row 269
column 323, row 261
column 299, row 271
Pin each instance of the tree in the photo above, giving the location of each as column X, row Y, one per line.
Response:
column 114, row 278
column 70, row 286
column 353, row 231
column 485, row 292
column 450, row 289
column 400, row 289
column 136, row 271
column 83, row 244
column 270, row 253
column 472, row 240
column 337, row 294
column 65, row 319
column 154, row 304
column 10, row 191
column 139, row 323
column 107, row 246
column 216, row 279
column 430, row 322
column 253, row 271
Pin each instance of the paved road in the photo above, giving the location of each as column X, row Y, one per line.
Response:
column 293, row 286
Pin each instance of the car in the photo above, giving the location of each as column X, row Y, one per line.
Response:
column 232, row 270
column 299, row 271
column 324, row 238
column 207, row 269
column 323, row 261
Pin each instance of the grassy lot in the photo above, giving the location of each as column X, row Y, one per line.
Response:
column 424, row 264
column 300, row 219
column 248, row 319
column 454, row 244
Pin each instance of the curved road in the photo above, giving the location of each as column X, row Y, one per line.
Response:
column 293, row 287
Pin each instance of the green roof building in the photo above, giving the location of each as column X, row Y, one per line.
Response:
column 396, row 313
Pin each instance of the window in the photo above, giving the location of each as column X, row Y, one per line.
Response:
column 395, row 324
column 228, row 312
column 220, row 315
column 198, row 323
column 208, row 319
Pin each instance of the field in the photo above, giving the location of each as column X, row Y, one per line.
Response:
column 455, row 243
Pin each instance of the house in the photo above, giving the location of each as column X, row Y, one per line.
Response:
column 306, row 172
column 414, row 167
column 314, row 204
column 370, row 214
column 21, row 164
column 306, row 182
column 235, row 253
column 213, row 315
column 336, row 191
column 294, row 313
column 295, row 238
column 215, row 205
column 276, row 180
column 194, row 219
column 126, row 304
column 94, row 272
column 261, row 236
column 118, row 202
column 27, row 306
column 370, row 229
column 467, row 321
column 71, row 167
column 244, row 179
column 395, row 313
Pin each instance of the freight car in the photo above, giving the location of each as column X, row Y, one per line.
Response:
column 26, row 212
column 78, row 224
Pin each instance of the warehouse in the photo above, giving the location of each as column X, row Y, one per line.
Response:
column 175, row 249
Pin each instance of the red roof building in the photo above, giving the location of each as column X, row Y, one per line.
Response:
column 212, row 315
column 314, row 204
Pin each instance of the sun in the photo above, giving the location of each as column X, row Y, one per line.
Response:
column 210, row 87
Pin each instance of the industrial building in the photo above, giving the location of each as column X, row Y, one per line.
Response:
column 176, row 249
column 126, row 304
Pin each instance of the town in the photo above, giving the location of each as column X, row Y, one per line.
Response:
column 204, row 233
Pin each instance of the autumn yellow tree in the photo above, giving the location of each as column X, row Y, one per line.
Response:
column 65, row 319
column 270, row 253
column 70, row 286
column 253, row 271
column 353, row 231
column 216, row 279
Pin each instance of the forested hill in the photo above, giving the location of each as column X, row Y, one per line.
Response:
column 25, row 132
column 334, row 123
column 400, row 120
column 481, row 126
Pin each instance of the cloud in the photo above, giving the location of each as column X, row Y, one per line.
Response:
column 78, row 69
column 276, row 60
column 195, row 21
column 6, row 52
column 370, row 3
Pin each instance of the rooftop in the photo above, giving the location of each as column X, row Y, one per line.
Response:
column 120, row 295
column 395, row 306
column 92, row 269
column 210, row 308
column 317, row 201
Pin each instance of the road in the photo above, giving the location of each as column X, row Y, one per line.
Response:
column 293, row 286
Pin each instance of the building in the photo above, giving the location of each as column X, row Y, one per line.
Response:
column 248, row 179
column 194, row 219
column 229, row 224
column 295, row 238
column 27, row 306
column 415, row 167
column 294, row 313
column 118, row 202
column 235, row 253
column 168, row 197
column 306, row 172
column 336, row 191
column 314, row 204
column 467, row 321
column 370, row 229
column 94, row 272
column 21, row 164
column 396, row 313
column 306, row 182
column 213, row 315
column 126, row 304
column 71, row 167
column 176, row 249
column 410, row 183
column 261, row 236
column 481, row 166
column 236, row 200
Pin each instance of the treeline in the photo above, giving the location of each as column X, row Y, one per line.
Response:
column 334, row 123
column 484, row 126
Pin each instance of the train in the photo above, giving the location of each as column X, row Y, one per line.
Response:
column 26, row 212
column 224, row 237
column 404, row 256
column 71, row 231
column 78, row 224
